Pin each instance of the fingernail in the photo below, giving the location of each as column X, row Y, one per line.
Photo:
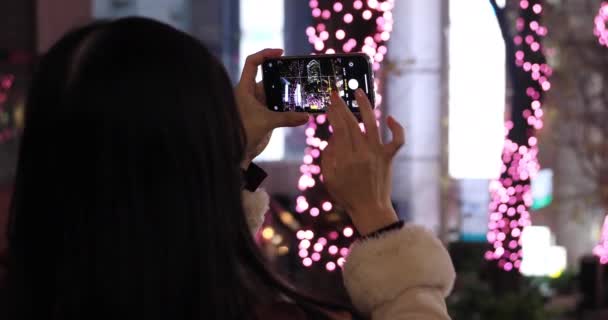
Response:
column 359, row 92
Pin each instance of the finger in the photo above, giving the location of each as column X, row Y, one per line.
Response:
column 250, row 70
column 328, row 161
column 398, row 136
column 348, row 116
column 353, row 131
column 367, row 114
column 286, row 119
column 260, row 93
column 340, row 134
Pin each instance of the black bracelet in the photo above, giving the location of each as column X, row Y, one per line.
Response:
column 253, row 177
column 393, row 226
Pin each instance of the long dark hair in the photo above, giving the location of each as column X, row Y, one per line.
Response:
column 127, row 196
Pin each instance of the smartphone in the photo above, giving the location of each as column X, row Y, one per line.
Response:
column 304, row 83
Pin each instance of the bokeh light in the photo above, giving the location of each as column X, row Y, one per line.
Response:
column 600, row 24
column 601, row 249
column 348, row 232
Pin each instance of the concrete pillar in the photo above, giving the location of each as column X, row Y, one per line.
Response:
column 414, row 97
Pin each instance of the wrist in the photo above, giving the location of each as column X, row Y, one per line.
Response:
column 368, row 219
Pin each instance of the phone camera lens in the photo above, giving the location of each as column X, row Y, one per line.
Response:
column 351, row 64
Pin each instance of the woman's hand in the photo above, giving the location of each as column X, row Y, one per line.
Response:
column 356, row 166
column 258, row 120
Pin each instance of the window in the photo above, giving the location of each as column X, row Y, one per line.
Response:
column 477, row 91
column 262, row 27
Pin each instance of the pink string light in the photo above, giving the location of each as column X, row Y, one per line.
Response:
column 316, row 256
column 338, row 6
column 348, row 232
column 600, row 24
column 511, row 194
column 7, row 133
column 333, row 250
column 348, row 18
column 307, row 262
column 601, row 249
column 330, row 33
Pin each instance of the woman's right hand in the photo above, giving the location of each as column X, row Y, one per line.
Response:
column 356, row 166
column 258, row 120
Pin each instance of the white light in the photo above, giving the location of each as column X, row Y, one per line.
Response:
column 535, row 238
column 477, row 91
column 557, row 261
column 501, row 3
column 540, row 257
column 353, row 84
column 257, row 34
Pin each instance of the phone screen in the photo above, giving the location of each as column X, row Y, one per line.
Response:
column 304, row 84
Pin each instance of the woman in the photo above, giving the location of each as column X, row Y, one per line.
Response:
column 128, row 198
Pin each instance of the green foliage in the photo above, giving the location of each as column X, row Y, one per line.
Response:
column 473, row 299
column 566, row 284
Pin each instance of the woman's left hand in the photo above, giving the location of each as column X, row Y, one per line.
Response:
column 258, row 120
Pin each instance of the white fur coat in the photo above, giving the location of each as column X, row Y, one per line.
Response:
column 401, row 274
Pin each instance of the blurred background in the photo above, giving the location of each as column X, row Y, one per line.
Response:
column 505, row 111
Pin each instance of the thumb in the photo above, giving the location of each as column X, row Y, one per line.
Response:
column 288, row 119
column 398, row 136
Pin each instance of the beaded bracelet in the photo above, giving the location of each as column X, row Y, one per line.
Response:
column 393, row 226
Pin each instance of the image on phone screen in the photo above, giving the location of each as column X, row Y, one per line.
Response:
column 304, row 84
